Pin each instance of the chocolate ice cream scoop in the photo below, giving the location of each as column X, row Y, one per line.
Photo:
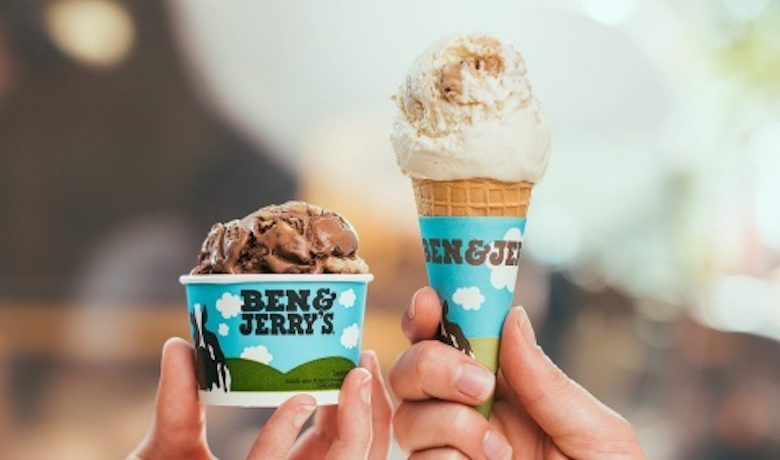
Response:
column 294, row 237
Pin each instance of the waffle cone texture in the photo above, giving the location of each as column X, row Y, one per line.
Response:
column 472, row 197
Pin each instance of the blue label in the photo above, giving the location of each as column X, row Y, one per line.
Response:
column 472, row 264
column 275, row 336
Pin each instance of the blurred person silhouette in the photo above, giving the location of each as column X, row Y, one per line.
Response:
column 739, row 419
column 5, row 415
column 110, row 176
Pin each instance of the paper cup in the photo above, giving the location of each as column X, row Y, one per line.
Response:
column 472, row 264
column 260, row 339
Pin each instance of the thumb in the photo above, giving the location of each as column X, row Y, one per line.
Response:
column 575, row 420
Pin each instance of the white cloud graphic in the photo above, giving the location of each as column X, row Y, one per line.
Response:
column 257, row 353
column 350, row 336
column 224, row 329
column 347, row 298
column 470, row 298
column 505, row 276
column 229, row 305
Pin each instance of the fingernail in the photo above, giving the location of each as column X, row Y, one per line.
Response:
column 524, row 323
column 302, row 414
column 494, row 446
column 475, row 381
column 367, row 358
column 365, row 388
column 410, row 308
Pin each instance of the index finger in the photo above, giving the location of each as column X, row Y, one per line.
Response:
column 354, row 417
column 278, row 435
column 423, row 315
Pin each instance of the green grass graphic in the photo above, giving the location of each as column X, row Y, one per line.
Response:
column 320, row 374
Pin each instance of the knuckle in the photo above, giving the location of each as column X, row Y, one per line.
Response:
column 432, row 370
column 460, row 422
column 623, row 427
column 556, row 380
column 423, row 359
column 559, row 381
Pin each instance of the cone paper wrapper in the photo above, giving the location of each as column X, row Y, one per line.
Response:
column 472, row 264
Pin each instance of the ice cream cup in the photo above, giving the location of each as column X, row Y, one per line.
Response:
column 262, row 338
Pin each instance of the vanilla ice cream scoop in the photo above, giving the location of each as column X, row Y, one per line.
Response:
column 467, row 111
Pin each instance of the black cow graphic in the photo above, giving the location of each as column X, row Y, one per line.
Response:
column 451, row 334
column 210, row 367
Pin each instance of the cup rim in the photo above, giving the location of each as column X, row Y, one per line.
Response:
column 224, row 278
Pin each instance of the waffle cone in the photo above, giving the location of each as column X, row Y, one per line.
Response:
column 472, row 197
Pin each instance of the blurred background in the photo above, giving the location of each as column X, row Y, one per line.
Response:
column 651, row 266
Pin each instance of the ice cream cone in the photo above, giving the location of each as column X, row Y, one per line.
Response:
column 469, row 124
column 472, row 197
column 460, row 213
